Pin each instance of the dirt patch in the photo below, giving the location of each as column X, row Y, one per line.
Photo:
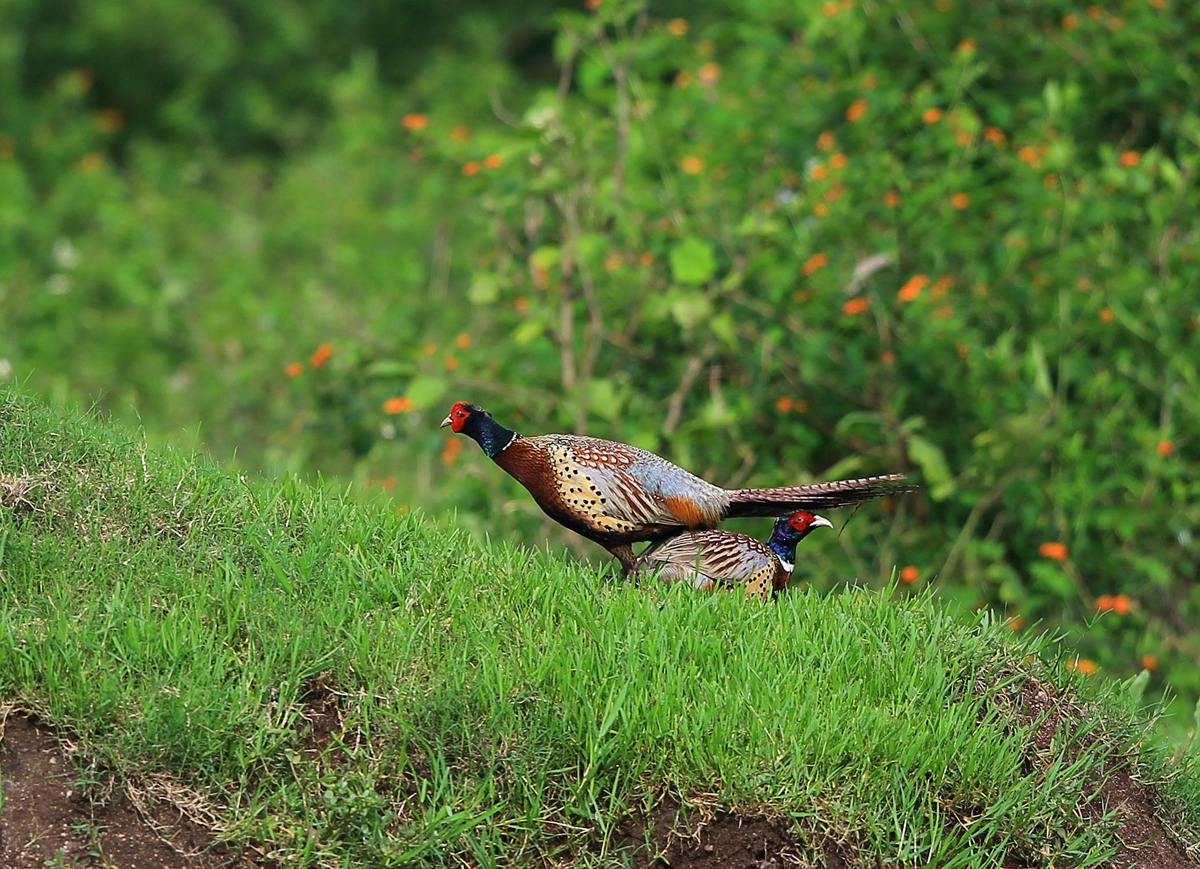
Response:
column 700, row 837
column 1145, row 840
column 46, row 817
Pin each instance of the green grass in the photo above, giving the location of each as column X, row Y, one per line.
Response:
column 502, row 704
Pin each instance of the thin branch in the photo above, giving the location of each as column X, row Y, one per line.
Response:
column 675, row 404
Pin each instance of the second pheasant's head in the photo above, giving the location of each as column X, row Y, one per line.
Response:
column 790, row 530
column 477, row 424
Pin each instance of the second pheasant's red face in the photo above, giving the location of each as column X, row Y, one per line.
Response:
column 459, row 414
column 801, row 520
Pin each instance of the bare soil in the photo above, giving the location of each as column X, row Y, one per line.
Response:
column 47, row 819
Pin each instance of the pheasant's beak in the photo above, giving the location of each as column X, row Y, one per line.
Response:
column 445, row 422
column 820, row 522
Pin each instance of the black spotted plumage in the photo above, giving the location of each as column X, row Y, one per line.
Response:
column 617, row 495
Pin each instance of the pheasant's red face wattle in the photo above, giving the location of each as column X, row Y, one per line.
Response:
column 459, row 414
column 801, row 520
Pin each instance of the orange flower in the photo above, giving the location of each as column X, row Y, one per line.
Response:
column 857, row 109
column 1057, row 551
column 1130, row 159
column 826, row 141
column 1104, row 603
column 960, row 200
column 1165, row 448
column 709, row 73
column 451, row 450
column 683, row 78
column 784, row 404
column 592, row 5
column 1122, row 604
column 963, row 350
column 293, row 369
column 321, row 355
column 1158, row 4
column 910, row 574
column 1095, row 11
column 819, row 171
column 940, row 286
column 932, row 116
column 646, row 259
column 1016, row 623
column 677, row 27
column 830, row 9
column 967, row 44
column 1150, row 662
column 1082, row 665
column 493, row 161
column 471, row 168
column 994, row 135
column 399, row 404
column 460, row 133
column 463, row 341
column 887, row 357
column 1107, row 315
column 912, row 288
column 833, row 194
column 692, row 164
column 814, row 262
column 838, row 161
column 820, row 209
column 944, row 313
column 1030, row 155
column 429, row 348
column 1070, row 22
column 414, row 121
column 521, row 303
column 891, row 198
column 451, row 363
column 855, row 306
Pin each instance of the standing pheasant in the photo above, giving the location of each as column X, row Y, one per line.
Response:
column 711, row 558
column 617, row 495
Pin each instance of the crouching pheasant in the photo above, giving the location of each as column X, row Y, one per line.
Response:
column 617, row 495
column 707, row 559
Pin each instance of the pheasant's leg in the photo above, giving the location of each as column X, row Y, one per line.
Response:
column 624, row 554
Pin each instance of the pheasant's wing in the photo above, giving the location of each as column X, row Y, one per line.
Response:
column 622, row 489
column 725, row 557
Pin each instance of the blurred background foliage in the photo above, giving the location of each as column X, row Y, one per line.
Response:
column 773, row 241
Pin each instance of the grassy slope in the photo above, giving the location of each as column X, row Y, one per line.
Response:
column 499, row 703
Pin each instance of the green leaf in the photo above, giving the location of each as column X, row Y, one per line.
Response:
column 484, row 289
column 546, row 257
column 427, row 390
column 692, row 261
column 527, row 331
column 933, row 465
column 689, row 307
column 604, row 399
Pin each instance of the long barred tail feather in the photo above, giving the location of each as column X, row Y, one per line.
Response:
column 781, row 500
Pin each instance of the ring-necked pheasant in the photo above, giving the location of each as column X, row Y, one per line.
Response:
column 711, row 558
column 618, row 495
